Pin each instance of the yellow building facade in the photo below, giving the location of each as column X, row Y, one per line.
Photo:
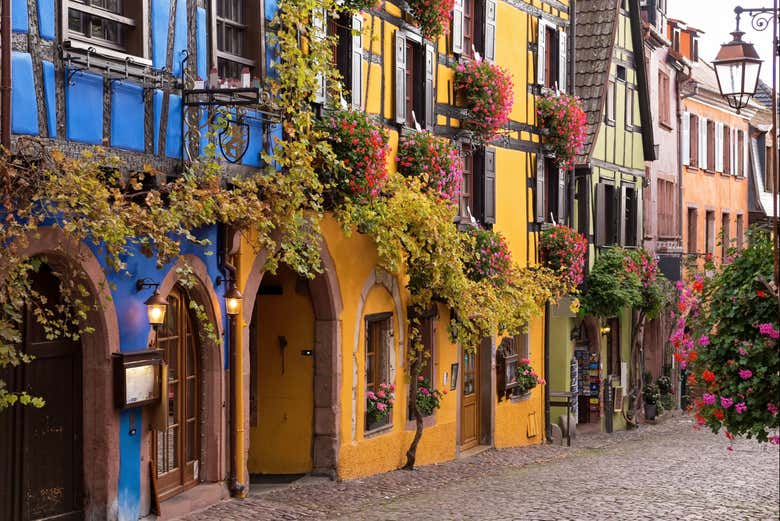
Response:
column 310, row 351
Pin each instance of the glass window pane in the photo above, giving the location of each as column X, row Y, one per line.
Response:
column 191, row 441
column 172, row 454
column 160, row 456
column 191, row 394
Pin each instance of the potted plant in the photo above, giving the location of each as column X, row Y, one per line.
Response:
column 434, row 160
column 488, row 95
column 651, row 398
column 428, row 398
column 491, row 259
column 432, row 16
column 527, row 378
column 564, row 251
column 379, row 405
column 361, row 146
column 563, row 124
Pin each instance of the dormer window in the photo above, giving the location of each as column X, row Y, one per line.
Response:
column 676, row 40
column 695, row 48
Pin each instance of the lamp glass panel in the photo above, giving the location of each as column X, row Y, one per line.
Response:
column 233, row 305
column 156, row 313
column 730, row 77
column 751, row 77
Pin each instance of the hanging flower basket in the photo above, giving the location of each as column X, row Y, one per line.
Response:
column 432, row 16
column 488, row 95
column 360, row 144
column 562, row 115
column 435, row 160
column 491, row 259
column 563, row 251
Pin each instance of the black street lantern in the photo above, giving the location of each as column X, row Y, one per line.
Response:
column 156, row 306
column 233, row 300
column 737, row 67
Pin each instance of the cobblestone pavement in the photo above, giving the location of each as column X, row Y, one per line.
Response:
column 661, row 472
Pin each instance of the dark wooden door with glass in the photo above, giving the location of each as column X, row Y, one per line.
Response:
column 176, row 449
column 41, row 448
column 469, row 417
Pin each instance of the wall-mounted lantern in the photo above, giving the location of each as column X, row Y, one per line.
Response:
column 233, row 297
column 605, row 330
column 137, row 378
column 156, row 305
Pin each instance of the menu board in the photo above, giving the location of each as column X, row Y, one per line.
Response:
column 140, row 383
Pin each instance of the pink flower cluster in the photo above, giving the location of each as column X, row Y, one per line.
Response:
column 488, row 94
column 361, row 144
column 380, row 403
column 769, row 330
column 564, row 251
column 562, row 116
column 433, row 159
column 491, row 260
column 433, row 16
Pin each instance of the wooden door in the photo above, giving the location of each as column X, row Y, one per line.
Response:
column 469, row 417
column 41, row 454
column 176, row 450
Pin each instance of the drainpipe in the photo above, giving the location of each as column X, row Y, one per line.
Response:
column 571, row 79
column 547, row 424
column 236, row 483
column 5, row 80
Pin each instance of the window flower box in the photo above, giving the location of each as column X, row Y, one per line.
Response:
column 563, row 124
column 487, row 93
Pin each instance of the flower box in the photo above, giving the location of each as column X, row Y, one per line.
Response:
column 487, row 93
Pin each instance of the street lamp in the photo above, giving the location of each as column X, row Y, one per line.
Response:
column 737, row 67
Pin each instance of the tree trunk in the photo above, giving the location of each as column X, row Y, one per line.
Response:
column 637, row 364
column 411, row 454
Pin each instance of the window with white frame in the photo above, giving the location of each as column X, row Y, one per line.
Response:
column 238, row 36
column 117, row 25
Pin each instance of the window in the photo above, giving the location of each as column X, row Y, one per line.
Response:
column 709, row 236
column 379, row 345
column 740, row 230
column 676, row 40
column 474, row 27
column 695, row 49
column 113, row 24
column 769, row 178
column 414, row 82
column 551, row 60
column 467, row 209
column 469, row 12
column 610, row 109
column 629, row 108
column 582, row 198
column 710, row 137
column 478, row 187
column 555, row 193
column 694, row 141
column 629, row 222
column 727, row 150
column 348, row 56
column 693, row 229
column 620, row 73
column 427, row 338
column 667, row 202
column 606, row 215
column 725, row 231
column 664, row 107
column 237, row 37
column 509, row 355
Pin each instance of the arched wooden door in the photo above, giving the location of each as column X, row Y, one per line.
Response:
column 41, row 473
column 176, row 450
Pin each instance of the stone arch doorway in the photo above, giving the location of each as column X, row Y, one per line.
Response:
column 303, row 316
column 79, row 420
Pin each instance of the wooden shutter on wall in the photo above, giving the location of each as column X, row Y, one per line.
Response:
column 621, row 217
column 562, row 69
column 703, row 143
column 541, row 52
column 718, row 147
column 400, row 77
column 490, row 186
column 744, row 153
column 319, row 18
column 490, row 30
column 357, row 60
column 725, row 152
column 601, row 224
column 686, row 138
column 562, row 199
column 733, row 152
column 457, row 27
column 430, row 92
column 540, row 191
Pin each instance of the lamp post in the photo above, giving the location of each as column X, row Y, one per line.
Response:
column 737, row 68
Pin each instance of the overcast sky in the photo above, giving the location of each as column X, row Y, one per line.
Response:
column 716, row 18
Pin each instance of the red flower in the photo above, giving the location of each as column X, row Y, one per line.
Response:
column 760, row 294
column 708, row 376
column 691, row 379
column 692, row 356
column 698, row 286
column 718, row 413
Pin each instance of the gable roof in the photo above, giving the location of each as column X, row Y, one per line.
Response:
column 595, row 31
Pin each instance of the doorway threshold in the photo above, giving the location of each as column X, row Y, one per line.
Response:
column 473, row 451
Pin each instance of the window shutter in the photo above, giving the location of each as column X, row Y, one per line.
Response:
column 540, row 192
column 562, row 60
column 457, row 27
column 561, row 196
column 601, row 225
column 745, row 153
column 541, row 52
column 621, row 216
column 686, row 138
column 639, row 213
column 733, row 152
column 430, row 92
column 490, row 186
column 719, row 147
column 400, row 77
column 703, row 143
column 318, row 21
column 357, row 60
column 490, row 30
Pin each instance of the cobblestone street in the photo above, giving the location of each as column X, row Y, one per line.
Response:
column 666, row 471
